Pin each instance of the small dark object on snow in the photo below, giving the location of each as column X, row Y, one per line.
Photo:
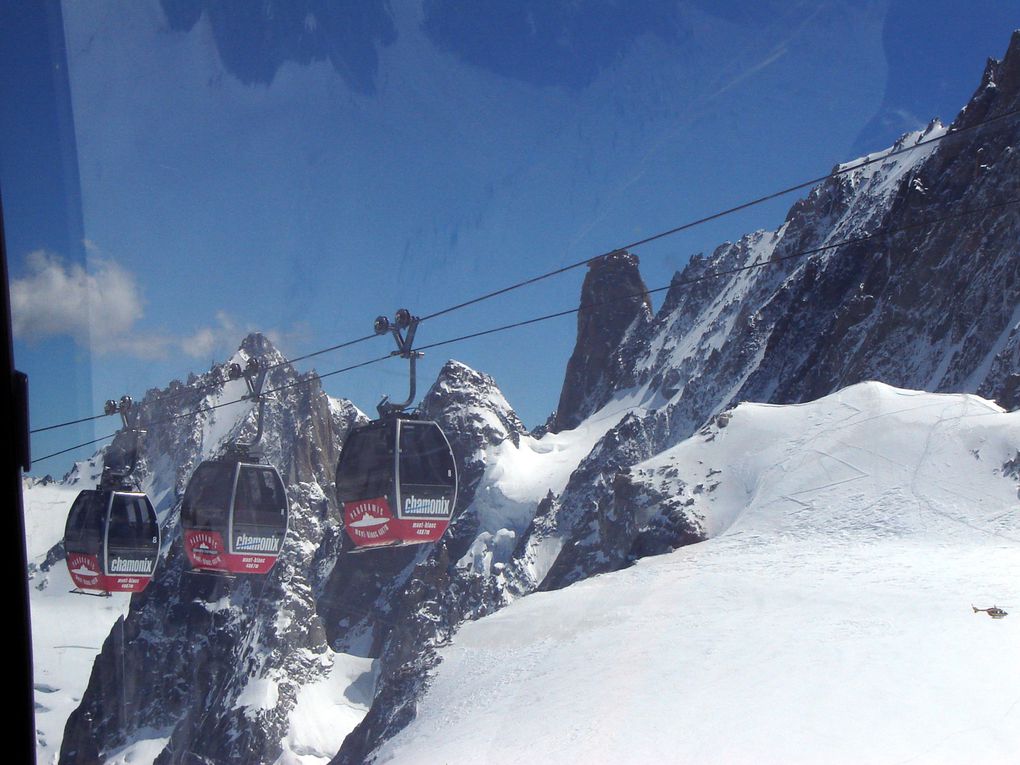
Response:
column 995, row 612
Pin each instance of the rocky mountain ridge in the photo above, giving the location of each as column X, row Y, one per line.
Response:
column 192, row 644
column 930, row 306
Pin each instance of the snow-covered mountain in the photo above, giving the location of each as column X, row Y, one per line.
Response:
column 928, row 306
column 826, row 619
column 339, row 654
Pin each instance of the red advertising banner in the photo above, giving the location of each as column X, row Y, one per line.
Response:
column 87, row 575
column 207, row 551
column 371, row 523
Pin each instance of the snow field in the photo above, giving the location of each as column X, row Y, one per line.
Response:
column 142, row 751
column 328, row 710
column 67, row 634
column 720, row 655
column 828, row 620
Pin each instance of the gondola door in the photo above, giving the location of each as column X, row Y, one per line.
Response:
column 132, row 542
column 83, row 540
column 426, row 482
column 205, row 515
column 365, row 485
column 259, row 519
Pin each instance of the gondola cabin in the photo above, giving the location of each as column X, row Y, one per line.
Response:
column 234, row 517
column 397, row 483
column 111, row 541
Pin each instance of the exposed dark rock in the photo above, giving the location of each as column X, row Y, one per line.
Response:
column 191, row 643
column 55, row 555
column 601, row 527
column 436, row 599
column 614, row 302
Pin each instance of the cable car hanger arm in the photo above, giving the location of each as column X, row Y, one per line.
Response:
column 254, row 374
column 403, row 329
column 116, row 476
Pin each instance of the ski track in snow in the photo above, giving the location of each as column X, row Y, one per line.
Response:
column 828, row 619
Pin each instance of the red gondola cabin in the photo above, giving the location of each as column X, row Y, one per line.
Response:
column 111, row 541
column 397, row 483
column 234, row 517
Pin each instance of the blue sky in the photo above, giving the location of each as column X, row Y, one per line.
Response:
column 214, row 169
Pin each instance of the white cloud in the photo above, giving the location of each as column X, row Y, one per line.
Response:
column 96, row 307
column 205, row 341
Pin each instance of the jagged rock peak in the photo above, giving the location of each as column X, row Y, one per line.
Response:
column 614, row 302
column 1000, row 83
column 257, row 345
column 259, row 633
column 254, row 345
column 464, row 399
column 1004, row 73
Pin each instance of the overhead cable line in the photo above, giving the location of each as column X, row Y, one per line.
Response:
column 271, row 367
column 208, row 385
column 188, row 389
column 337, row 347
column 278, row 389
column 232, row 402
column 72, row 448
column 159, row 399
column 840, row 170
column 716, row 274
column 847, row 167
column 878, row 234
column 69, row 422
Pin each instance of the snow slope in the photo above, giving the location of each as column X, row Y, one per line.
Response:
column 519, row 475
column 828, row 619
